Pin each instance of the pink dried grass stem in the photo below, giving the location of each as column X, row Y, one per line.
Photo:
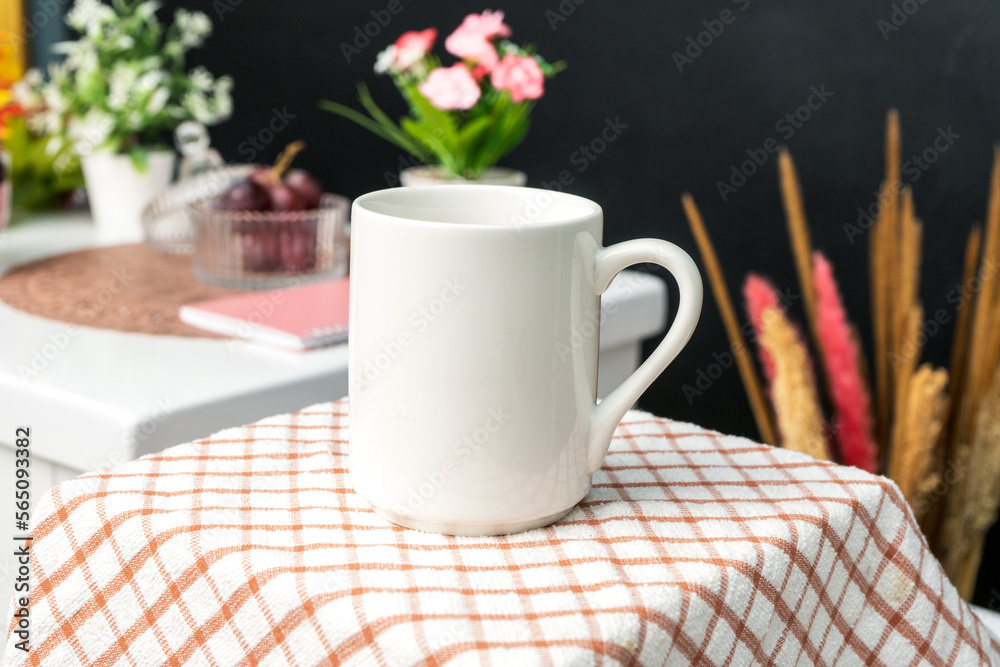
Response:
column 851, row 402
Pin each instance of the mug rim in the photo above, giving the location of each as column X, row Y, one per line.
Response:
column 378, row 195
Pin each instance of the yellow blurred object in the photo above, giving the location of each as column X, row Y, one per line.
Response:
column 11, row 55
column 11, row 33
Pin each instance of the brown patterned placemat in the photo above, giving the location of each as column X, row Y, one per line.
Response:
column 124, row 288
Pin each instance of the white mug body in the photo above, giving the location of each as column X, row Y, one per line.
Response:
column 474, row 330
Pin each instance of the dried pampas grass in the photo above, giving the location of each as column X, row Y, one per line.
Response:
column 913, row 465
column 939, row 443
column 793, row 391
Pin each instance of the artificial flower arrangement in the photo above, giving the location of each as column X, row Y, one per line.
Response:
column 123, row 83
column 45, row 169
column 10, row 71
column 934, row 431
column 30, row 159
column 464, row 117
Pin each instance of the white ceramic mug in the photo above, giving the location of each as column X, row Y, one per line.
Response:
column 473, row 353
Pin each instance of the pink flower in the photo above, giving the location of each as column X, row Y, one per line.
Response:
column 521, row 75
column 472, row 40
column 450, row 88
column 488, row 24
column 412, row 46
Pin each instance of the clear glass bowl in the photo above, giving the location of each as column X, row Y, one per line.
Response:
column 269, row 249
column 166, row 220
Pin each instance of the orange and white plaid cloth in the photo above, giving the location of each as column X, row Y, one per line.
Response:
column 692, row 548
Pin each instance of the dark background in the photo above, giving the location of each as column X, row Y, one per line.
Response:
column 685, row 130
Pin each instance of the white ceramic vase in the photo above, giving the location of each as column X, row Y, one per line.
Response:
column 118, row 192
column 438, row 176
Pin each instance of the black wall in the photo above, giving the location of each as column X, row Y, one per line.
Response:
column 685, row 128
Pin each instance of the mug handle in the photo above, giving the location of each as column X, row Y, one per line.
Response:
column 607, row 263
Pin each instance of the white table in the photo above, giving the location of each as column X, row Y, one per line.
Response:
column 102, row 397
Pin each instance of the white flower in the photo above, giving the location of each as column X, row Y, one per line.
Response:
column 33, row 77
column 149, row 81
column 120, row 85
column 25, row 92
column 196, row 104
column 45, row 122
column 213, row 109
column 201, row 79
column 81, row 58
column 53, row 145
column 134, row 121
column 385, row 59
column 89, row 16
column 193, row 27
column 54, row 100
column 91, row 131
column 112, row 84
column 223, row 99
column 147, row 10
column 157, row 101
column 407, row 58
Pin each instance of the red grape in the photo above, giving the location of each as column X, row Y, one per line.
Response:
column 244, row 196
column 283, row 198
column 307, row 187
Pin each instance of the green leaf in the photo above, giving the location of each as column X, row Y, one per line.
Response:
column 397, row 138
column 442, row 122
column 140, row 159
column 422, row 133
column 472, row 133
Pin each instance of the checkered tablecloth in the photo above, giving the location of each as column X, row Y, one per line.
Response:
column 692, row 548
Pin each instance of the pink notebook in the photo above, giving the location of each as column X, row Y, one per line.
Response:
column 294, row 318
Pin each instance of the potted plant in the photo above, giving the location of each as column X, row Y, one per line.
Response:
column 10, row 70
column 45, row 169
column 122, row 86
column 465, row 117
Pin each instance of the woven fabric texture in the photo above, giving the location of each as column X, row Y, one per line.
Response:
column 249, row 547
